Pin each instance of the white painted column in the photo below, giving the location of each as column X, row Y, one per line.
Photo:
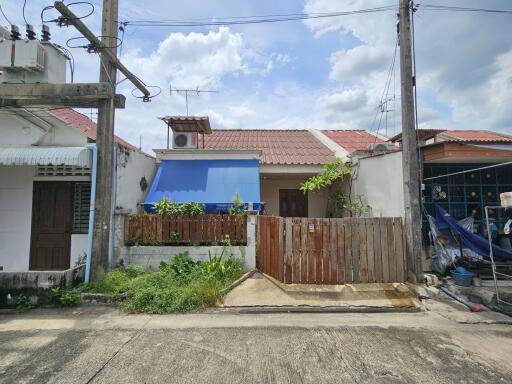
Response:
column 250, row 254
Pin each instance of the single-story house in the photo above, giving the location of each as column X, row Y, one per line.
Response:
column 264, row 167
column 45, row 187
column 443, row 152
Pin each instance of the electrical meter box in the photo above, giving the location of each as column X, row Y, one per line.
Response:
column 32, row 61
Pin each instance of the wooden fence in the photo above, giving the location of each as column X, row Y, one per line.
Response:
column 332, row 251
column 184, row 230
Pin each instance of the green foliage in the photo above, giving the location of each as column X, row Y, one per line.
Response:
column 218, row 267
column 180, row 266
column 354, row 208
column 226, row 241
column 192, row 208
column 23, row 303
column 175, row 236
column 66, row 298
column 180, row 285
column 335, row 170
column 166, row 207
column 238, row 206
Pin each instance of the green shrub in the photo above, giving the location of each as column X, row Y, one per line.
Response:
column 180, row 285
column 238, row 206
column 69, row 298
column 23, row 303
column 190, row 208
column 181, row 265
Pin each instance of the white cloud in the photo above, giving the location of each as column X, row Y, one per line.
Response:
column 193, row 59
column 359, row 62
column 464, row 63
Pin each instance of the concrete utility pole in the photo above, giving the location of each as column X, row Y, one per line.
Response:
column 410, row 157
column 105, row 142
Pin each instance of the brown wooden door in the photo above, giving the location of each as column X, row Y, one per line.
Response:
column 52, row 217
column 293, row 203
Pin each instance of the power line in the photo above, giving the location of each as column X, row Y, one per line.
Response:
column 23, row 11
column 436, row 7
column 238, row 20
column 5, row 17
column 385, row 92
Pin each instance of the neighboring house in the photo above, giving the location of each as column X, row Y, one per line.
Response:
column 277, row 163
column 45, row 173
column 443, row 152
column 288, row 158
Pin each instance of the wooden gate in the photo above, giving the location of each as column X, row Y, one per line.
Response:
column 332, row 251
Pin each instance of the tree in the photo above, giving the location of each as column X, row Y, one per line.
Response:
column 337, row 171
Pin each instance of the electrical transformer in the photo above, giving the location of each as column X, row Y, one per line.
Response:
column 31, row 61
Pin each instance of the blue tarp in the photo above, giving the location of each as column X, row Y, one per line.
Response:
column 473, row 241
column 210, row 182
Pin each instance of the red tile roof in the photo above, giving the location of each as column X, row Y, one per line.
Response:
column 83, row 124
column 277, row 146
column 423, row 133
column 475, row 136
column 353, row 140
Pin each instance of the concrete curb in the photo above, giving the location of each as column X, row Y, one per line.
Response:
column 238, row 282
column 311, row 309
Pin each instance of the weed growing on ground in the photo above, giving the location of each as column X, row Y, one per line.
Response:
column 180, row 285
column 23, row 303
column 69, row 298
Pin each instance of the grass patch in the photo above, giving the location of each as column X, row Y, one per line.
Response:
column 180, row 285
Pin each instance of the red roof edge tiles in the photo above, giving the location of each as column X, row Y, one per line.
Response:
column 353, row 140
column 81, row 123
column 469, row 136
column 278, row 147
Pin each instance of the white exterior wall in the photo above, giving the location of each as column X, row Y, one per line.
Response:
column 15, row 216
column 379, row 180
column 131, row 168
column 78, row 248
column 16, row 186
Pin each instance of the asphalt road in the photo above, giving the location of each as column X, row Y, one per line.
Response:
column 229, row 348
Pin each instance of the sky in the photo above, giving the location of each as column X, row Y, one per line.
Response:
column 325, row 73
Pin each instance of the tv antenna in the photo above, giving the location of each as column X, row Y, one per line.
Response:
column 186, row 91
column 383, row 106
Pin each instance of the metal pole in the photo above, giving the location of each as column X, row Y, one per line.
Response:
column 491, row 255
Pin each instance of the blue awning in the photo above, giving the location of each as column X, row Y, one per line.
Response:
column 210, row 182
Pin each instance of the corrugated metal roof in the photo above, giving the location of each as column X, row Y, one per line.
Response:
column 288, row 147
column 200, row 124
column 353, row 140
column 75, row 156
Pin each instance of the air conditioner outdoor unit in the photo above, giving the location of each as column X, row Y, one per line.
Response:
column 184, row 140
column 381, row 147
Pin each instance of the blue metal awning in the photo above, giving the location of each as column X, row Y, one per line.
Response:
column 209, row 182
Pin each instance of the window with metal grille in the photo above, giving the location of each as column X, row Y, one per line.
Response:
column 81, row 204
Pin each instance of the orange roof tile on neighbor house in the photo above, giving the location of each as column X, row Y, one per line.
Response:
column 474, row 136
column 288, row 147
column 353, row 140
column 83, row 124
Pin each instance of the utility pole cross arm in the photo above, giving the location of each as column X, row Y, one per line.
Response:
column 86, row 32
column 77, row 95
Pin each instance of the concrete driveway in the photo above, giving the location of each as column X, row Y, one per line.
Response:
column 101, row 345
